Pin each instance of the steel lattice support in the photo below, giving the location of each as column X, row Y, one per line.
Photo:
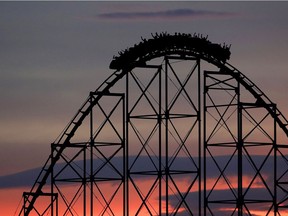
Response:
column 282, row 179
column 247, row 130
column 221, row 97
column 188, row 138
column 50, row 206
column 86, row 168
column 161, row 141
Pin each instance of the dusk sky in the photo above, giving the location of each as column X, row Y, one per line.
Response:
column 54, row 53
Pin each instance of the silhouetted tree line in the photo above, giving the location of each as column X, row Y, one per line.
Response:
column 163, row 43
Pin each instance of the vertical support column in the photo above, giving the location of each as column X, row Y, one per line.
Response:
column 205, row 89
column 240, row 160
column 199, row 137
column 84, row 181
column 166, row 137
column 91, row 157
column 126, row 155
column 52, row 181
column 160, row 140
column 280, row 172
column 54, row 196
column 275, row 149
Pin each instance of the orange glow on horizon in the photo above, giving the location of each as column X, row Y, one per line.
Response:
column 9, row 198
column 222, row 185
column 253, row 212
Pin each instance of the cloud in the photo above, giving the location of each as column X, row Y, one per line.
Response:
column 257, row 205
column 25, row 178
column 143, row 163
column 256, row 191
column 164, row 14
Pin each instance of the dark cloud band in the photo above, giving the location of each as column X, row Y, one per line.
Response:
column 177, row 13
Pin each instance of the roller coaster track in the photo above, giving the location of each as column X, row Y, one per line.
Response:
column 124, row 65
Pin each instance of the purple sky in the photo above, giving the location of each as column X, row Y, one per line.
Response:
column 53, row 53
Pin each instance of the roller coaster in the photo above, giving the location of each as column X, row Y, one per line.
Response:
column 174, row 130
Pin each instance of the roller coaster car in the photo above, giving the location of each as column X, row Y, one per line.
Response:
column 163, row 42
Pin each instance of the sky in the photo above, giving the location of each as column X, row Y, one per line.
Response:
column 54, row 53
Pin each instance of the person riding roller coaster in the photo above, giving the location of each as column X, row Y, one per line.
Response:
column 164, row 43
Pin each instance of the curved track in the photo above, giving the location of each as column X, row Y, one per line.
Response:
column 160, row 45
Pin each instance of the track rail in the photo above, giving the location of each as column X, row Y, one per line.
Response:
column 260, row 97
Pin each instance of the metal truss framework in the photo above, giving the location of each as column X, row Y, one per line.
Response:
column 162, row 142
column 244, row 126
column 176, row 140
